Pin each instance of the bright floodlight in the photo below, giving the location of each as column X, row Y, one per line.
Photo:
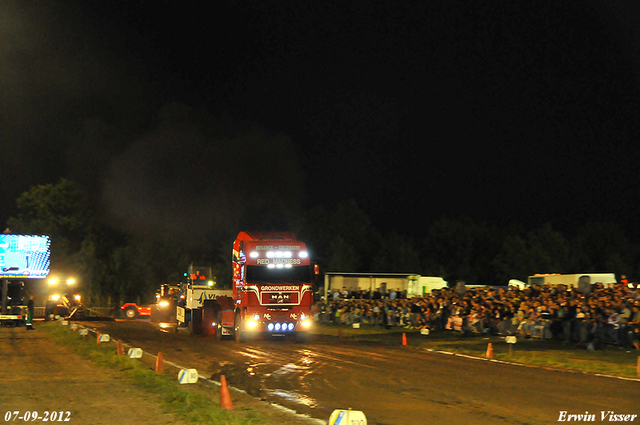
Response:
column 71, row 281
column 53, row 281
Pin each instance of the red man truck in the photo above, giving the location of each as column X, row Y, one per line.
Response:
column 272, row 291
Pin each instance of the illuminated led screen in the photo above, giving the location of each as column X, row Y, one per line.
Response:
column 24, row 256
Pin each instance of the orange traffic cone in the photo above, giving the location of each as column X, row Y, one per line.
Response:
column 404, row 338
column 98, row 337
column 159, row 363
column 489, row 354
column 225, row 398
column 120, row 349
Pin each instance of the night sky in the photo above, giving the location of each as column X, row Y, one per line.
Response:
column 502, row 111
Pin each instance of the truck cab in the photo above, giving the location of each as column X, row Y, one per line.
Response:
column 271, row 296
column 272, row 285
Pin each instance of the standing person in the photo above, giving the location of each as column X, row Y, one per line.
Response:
column 392, row 294
column 30, row 310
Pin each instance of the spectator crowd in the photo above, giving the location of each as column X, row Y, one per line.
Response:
column 593, row 316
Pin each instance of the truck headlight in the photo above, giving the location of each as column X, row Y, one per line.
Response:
column 251, row 324
column 305, row 323
column 163, row 303
column 256, row 317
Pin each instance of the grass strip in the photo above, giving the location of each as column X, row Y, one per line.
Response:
column 175, row 398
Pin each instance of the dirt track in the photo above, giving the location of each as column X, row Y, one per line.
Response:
column 39, row 375
column 392, row 385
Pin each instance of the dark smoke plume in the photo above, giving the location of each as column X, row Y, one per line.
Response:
column 195, row 177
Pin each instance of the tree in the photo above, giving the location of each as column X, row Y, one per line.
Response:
column 599, row 247
column 542, row 250
column 343, row 240
column 548, row 250
column 396, row 254
column 514, row 260
column 61, row 211
column 455, row 250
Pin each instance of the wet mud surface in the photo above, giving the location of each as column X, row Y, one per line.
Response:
column 392, row 385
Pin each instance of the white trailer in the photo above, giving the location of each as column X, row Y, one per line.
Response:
column 190, row 311
column 571, row 280
column 198, row 305
column 414, row 284
column 423, row 285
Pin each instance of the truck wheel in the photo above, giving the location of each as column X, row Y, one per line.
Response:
column 219, row 326
column 196, row 321
column 302, row 337
column 131, row 313
column 239, row 333
column 154, row 314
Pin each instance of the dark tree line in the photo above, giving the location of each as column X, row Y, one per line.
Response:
column 116, row 264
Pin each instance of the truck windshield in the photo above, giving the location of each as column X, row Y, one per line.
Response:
column 261, row 274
